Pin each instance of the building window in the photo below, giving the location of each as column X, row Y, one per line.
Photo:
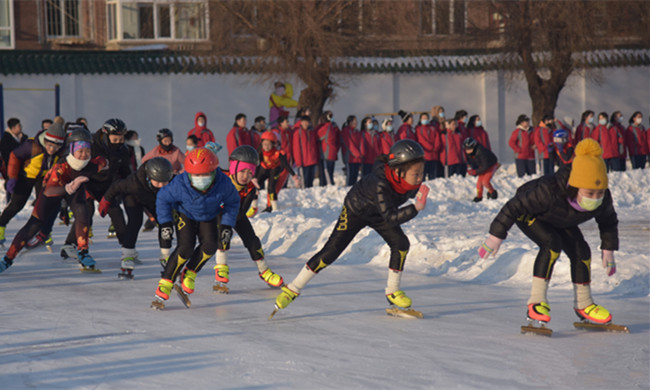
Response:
column 62, row 18
column 443, row 17
column 157, row 20
column 7, row 38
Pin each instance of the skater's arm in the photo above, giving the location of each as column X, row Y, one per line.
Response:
column 285, row 164
column 530, row 199
column 392, row 214
column 608, row 225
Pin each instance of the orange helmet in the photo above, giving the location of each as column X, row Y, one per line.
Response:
column 270, row 136
column 200, row 161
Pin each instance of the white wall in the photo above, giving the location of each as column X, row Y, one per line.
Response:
column 149, row 102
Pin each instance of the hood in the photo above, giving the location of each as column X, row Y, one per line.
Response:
column 196, row 120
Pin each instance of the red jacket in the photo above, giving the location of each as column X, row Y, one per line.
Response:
column 405, row 131
column 305, row 147
column 387, row 139
column 582, row 131
column 202, row 133
column 429, row 137
column 238, row 136
column 371, row 146
column 329, row 139
column 480, row 135
column 636, row 140
column 543, row 137
column 174, row 156
column 352, row 140
column 606, row 137
column 285, row 142
column 521, row 141
column 452, row 152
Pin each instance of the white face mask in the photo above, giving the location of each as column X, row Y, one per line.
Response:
column 75, row 163
column 133, row 142
column 201, row 183
column 478, row 123
column 590, row 204
column 638, row 121
column 590, row 120
column 602, row 122
column 389, row 127
column 200, row 123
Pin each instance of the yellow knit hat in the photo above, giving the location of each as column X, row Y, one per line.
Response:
column 588, row 167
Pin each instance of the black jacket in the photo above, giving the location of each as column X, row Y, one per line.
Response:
column 135, row 185
column 545, row 199
column 374, row 200
column 7, row 145
column 482, row 159
column 118, row 164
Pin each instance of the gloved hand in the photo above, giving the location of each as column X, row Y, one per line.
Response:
column 11, row 185
column 608, row 262
column 74, row 185
column 225, row 236
column 489, row 247
column 297, row 181
column 421, row 197
column 256, row 183
column 471, row 172
column 104, row 205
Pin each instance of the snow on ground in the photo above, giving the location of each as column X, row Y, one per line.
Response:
column 63, row 329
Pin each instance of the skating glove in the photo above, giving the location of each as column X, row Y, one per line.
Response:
column 471, row 172
column 104, row 205
column 608, row 262
column 421, row 197
column 74, row 185
column 226, row 235
column 489, row 247
column 11, row 185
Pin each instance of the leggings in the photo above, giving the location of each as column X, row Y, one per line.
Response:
column 247, row 234
column 484, row 181
column 347, row 226
column 127, row 232
column 18, row 200
column 552, row 241
column 273, row 175
column 90, row 210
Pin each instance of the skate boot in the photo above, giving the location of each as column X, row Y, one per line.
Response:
column 477, row 199
column 285, row 298
column 86, row 260
column 492, row 195
column 162, row 294
column 2, row 235
column 68, row 252
column 111, row 232
column 126, row 267
column 399, row 298
column 5, row 263
column 40, row 239
column 539, row 312
column 594, row 313
column 271, row 278
column 221, row 278
column 188, row 277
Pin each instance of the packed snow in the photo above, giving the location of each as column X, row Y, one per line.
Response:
column 64, row 329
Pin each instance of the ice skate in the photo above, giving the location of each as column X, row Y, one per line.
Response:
column 163, row 290
column 87, row 262
column 126, row 267
column 183, row 295
column 477, row 199
column 594, row 313
column 492, row 195
column 158, row 303
column 271, row 278
column 5, row 263
column 400, row 306
column 221, row 278
column 68, row 252
column 188, row 277
column 538, row 313
column 284, row 299
column 39, row 240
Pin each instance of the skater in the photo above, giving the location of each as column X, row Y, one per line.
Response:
column 137, row 193
column 483, row 164
column 243, row 163
column 275, row 168
column 562, row 147
column 199, row 196
column 374, row 201
column 64, row 181
column 28, row 163
column 548, row 210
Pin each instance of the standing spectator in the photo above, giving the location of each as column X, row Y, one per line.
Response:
column 606, row 139
column 428, row 136
column 351, row 145
column 370, row 147
column 521, row 141
column 543, row 138
column 461, row 120
column 279, row 100
column 452, row 140
column 239, row 134
column 438, row 117
column 201, row 130
column 258, row 128
column 285, row 132
column 132, row 142
column 405, row 131
column 191, row 143
column 635, row 141
column 585, row 127
column 476, row 131
column 305, row 150
column 616, row 124
column 11, row 139
column 387, row 136
column 167, row 150
column 330, row 142
column 45, row 123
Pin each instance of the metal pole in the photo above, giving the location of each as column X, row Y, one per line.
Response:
column 2, row 112
column 57, row 100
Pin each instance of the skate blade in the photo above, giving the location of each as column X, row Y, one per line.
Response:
column 221, row 288
column 87, row 270
column 157, row 305
column 125, row 275
column 609, row 327
column 541, row 330
column 275, row 310
column 403, row 313
column 183, row 296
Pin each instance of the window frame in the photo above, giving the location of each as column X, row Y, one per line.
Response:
column 11, row 27
column 62, row 10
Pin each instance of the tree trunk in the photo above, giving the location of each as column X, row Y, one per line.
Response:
column 315, row 95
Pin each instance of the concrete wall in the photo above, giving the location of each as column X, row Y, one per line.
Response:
column 149, row 102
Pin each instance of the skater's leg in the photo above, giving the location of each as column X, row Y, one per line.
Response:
column 399, row 245
column 186, row 238
column 19, row 198
column 44, row 208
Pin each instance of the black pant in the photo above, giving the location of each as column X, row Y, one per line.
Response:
column 525, row 167
column 127, row 232
column 185, row 253
column 347, row 227
column 352, row 173
column 552, row 241
column 273, row 175
column 19, row 198
column 247, row 234
column 329, row 166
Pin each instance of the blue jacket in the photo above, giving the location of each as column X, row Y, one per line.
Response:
column 181, row 196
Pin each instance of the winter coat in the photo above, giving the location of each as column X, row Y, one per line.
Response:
column 329, row 137
column 238, row 136
column 175, row 157
column 370, row 147
column 119, row 167
column 374, row 199
column 482, row 159
column 30, row 160
column 273, row 159
column 405, row 131
column 429, row 137
column 61, row 174
column 285, row 141
column 7, row 145
column 543, row 137
column 480, row 135
column 583, row 131
column 606, row 137
column 137, row 186
column 247, row 195
column 352, row 140
column 452, row 151
column 619, row 133
column 387, row 139
column 204, row 134
column 636, row 140
column 220, row 198
column 521, row 141
column 278, row 103
column 545, row 200
column 305, row 147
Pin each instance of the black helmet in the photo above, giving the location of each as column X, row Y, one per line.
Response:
column 159, row 169
column 404, row 151
column 469, row 143
column 114, row 126
column 245, row 153
column 78, row 134
column 164, row 133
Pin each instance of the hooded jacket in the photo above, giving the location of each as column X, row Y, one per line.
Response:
column 201, row 132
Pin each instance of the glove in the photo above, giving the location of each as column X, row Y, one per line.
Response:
column 297, row 181
column 225, row 236
column 489, row 247
column 421, row 197
column 104, row 205
column 608, row 262
column 471, row 172
column 256, row 183
column 74, row 185
column 11, row 185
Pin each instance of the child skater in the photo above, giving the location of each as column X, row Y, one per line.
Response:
column 198, row 195
column 243, row 163
column 483, row 163
column 64, row 181
column 548, row 210
column 374, row 201
column 274, row 167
